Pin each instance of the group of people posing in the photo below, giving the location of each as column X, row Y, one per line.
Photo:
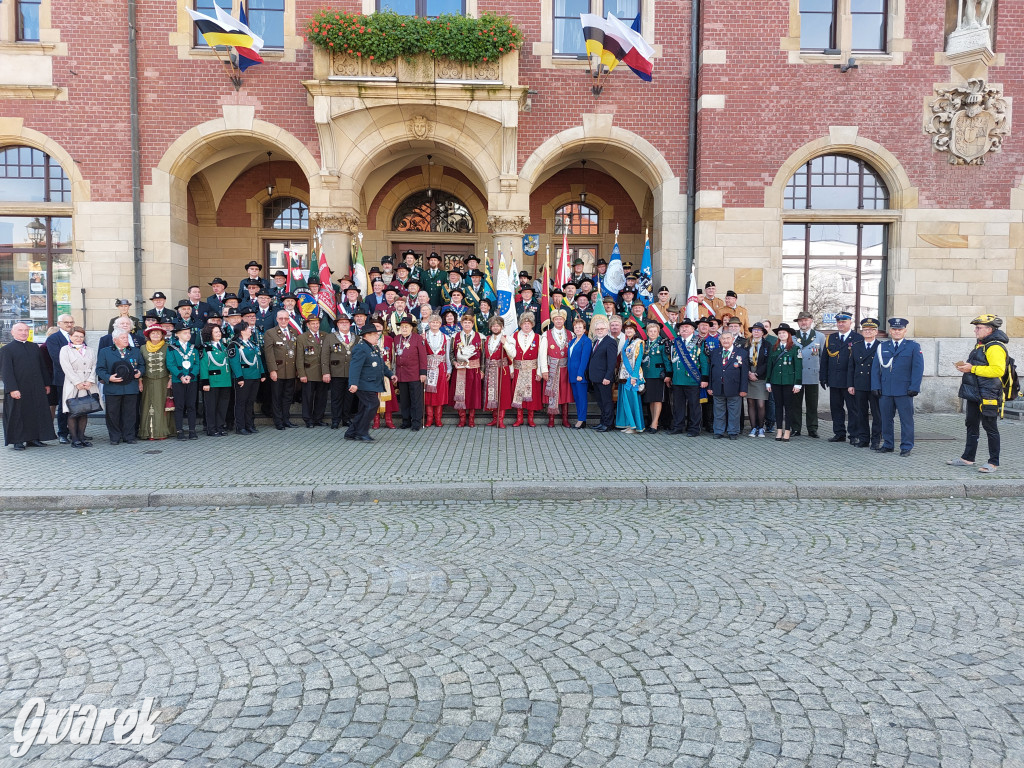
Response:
column 381, row 361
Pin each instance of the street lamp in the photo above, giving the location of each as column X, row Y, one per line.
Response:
column 583, row 174
column 270, row 178
column 36, row 232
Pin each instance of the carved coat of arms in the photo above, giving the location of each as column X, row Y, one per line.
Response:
column 968, row 122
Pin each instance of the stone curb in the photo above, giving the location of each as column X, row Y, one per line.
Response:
column 283, row 496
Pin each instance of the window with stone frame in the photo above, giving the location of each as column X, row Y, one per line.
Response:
column 576, row 219
column 426, row 8
column 839, row 265
column 829, row 26
column 432, row 210
column 285, row 213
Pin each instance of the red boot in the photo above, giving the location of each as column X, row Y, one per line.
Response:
column 529, row 418
column 430, row 417
column 472, row 418
column 388, row 422
column 519, row 418
column 551, row 421
column 494, row 418
column 500, row 419
column 462, row 418
column 376, row 421
column 437, row 416
column 565, row 416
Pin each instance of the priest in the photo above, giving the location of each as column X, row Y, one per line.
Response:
column 27, row 419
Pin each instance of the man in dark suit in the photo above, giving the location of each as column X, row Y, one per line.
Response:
column 200, row 309
column 54, row 343
column 858, row 381
column 253, row 269
column 366, row 372
column 601, row 371
column 215, row 301
column 266, row 317
column 350, row 303
column 728, row 385
column 833, row 373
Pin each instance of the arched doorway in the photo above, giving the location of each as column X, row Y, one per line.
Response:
column 438, row 214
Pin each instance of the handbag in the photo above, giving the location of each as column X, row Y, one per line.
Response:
column 83, row 404
column 169, row 403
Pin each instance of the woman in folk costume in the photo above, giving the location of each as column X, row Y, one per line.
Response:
column 527, row 385
column 498, row 352
column 155, row 421
column 386, row 346
column 629, row 415
column 467, row 351
column 554, row 368
column 435, row 392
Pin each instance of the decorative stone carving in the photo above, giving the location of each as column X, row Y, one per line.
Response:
column 447, row 69
column 420, row 126
column 507, row 224
column 487, row 70
column 383, row 68
column 973, row 27
column 335, row 222
column 968, row 122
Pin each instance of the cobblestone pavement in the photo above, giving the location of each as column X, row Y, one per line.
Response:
column 311, row 457
column 776, row 633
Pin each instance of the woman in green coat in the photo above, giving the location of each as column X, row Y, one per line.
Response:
column 215, row 380
column 245, row 356
column 784, row 375
column 657, row 368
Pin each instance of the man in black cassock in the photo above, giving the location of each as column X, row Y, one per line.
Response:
column 27, row 419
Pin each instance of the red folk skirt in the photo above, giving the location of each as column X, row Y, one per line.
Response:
column 435, row 391
column 466, row 390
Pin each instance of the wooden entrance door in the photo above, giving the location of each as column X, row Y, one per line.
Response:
column 452, row 254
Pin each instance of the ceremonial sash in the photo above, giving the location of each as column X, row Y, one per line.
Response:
column 552, row 388
column 524, row 382
column 709, row 307
column 692, row 369
column 663, row 320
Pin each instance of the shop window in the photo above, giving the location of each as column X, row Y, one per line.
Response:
column 35, row 245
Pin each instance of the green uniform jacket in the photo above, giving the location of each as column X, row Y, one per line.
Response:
column 246, row 360
column 784, row 366
column 213, row 366
column 181, row 363
column 656, row 363
column 680, row 376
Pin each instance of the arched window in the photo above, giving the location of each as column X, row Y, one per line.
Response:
column 836, row 182
column 576, row 219
column 432, row 211
column 830, row 266
column 285, row 213
column 35, row 244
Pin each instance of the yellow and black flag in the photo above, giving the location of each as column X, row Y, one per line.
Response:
column 216, row 33
column 594, row 29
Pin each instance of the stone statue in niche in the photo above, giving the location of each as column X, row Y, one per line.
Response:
column 973, row 27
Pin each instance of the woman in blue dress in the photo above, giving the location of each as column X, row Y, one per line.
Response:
column 450, row 326
column 629, row 415
column 579, row 358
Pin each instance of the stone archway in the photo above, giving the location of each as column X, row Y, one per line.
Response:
column 165, row 219
column 632, row 156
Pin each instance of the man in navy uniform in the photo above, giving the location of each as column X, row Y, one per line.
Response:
column 266, row 316
column 896, row 379
column 366, row 372
column 350, row 304
column 858, row 384
column 279, row 288
column 833, row 374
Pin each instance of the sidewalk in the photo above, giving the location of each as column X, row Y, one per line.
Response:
column 316, row 465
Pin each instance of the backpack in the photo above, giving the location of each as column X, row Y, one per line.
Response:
column 1009, row 382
